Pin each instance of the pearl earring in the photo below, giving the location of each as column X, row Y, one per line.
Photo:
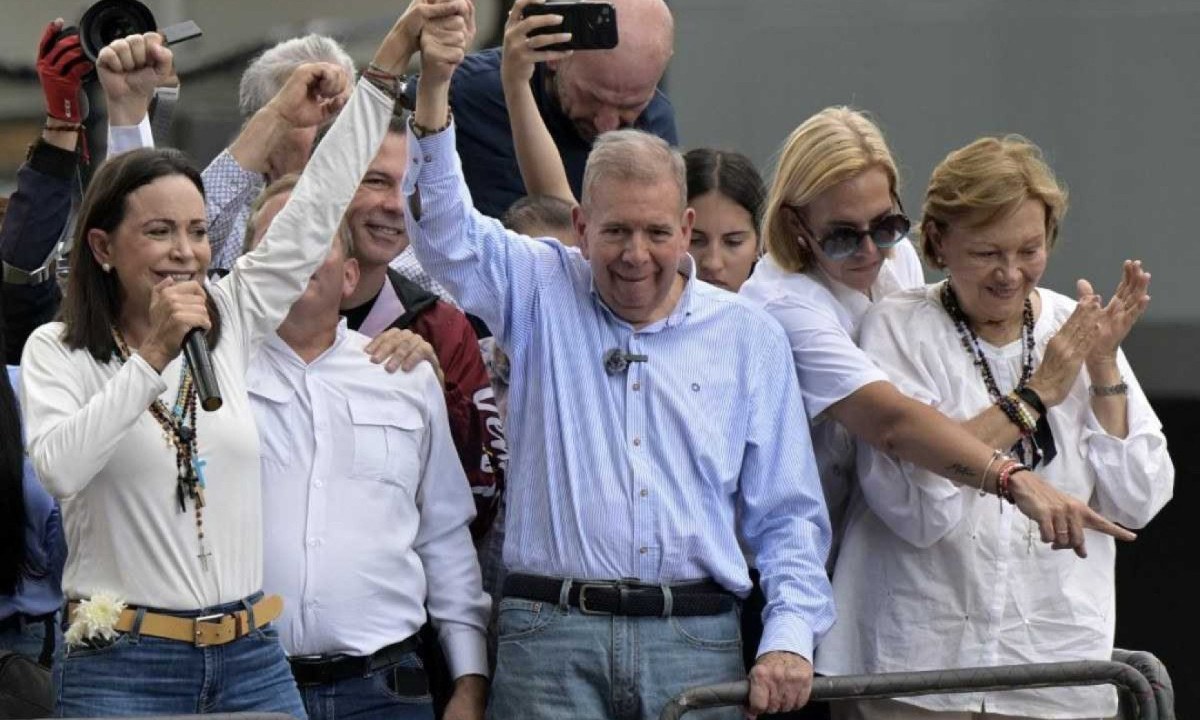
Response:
column 106, row 267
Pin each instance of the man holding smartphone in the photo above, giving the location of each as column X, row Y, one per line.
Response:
column 579, row 97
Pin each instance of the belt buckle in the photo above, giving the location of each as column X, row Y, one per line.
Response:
column 196, row 622
column 583, row 608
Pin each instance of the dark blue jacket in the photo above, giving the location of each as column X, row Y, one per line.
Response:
column 485, row 140
column 37, row 214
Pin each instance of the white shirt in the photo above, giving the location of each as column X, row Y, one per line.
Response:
column 366, row 507
column 821, row 317
column 932, row 575
column 98, row 450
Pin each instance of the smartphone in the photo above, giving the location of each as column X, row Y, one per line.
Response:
column 593, row 25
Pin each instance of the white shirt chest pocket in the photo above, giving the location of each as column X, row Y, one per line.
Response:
column 388, row 443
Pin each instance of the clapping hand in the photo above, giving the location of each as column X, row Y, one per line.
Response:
column 1123, row 310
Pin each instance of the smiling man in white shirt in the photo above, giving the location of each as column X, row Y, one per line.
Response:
column 365, row 513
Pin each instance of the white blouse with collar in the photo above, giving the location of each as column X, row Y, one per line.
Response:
column 822, row 318
column 933, row 575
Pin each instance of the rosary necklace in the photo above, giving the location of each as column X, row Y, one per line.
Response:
column 178, row 425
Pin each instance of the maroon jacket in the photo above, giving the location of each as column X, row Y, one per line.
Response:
column 470, row 403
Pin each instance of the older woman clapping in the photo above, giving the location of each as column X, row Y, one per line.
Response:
column 1037, row 376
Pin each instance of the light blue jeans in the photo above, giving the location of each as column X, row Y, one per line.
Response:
column 142, row 675
column 554, row 662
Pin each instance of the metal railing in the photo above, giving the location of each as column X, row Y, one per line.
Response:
column 1140, row 675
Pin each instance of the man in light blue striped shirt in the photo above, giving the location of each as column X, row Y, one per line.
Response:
column 654, row 418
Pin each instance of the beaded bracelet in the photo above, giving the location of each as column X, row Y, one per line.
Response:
column 1004, row 481
column 1013, row 412
column 63, row 127
column 421, row 131
column 1028, row 424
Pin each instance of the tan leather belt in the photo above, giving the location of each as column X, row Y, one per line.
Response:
column 202, row 631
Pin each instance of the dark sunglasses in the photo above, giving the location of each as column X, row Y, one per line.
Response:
column 842, row 242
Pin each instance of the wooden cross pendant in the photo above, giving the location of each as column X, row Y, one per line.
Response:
column 204, row 556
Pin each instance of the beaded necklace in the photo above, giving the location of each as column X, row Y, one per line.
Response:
column 179, row 432
column 1026, row 448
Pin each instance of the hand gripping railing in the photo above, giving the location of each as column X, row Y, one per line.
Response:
column 927, row 682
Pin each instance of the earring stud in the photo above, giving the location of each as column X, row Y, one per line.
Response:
column 106, row 267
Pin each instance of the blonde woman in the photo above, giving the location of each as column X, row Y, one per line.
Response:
column 832, row 218
column 932, row 575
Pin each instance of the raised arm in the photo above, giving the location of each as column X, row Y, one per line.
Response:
column 541, row 165
column 266, row 281
column 493, row 274
column 130, row 70
column 37, row 212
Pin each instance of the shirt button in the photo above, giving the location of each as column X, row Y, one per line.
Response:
column 637, row 442
column 318, row 483
column 645, row 492
column 313, row 542
column 643, row 550
column 637, row 386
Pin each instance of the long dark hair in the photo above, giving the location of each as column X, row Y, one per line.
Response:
column 92, row 304
column 730, row 173
column 12, row 492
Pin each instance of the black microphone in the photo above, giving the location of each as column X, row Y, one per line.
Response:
column 617, row 361
column 195, row 350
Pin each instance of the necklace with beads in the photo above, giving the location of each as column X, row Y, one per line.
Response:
column 178, row 425
column 1025, row 449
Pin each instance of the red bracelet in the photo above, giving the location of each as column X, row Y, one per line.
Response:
column 1004, row 480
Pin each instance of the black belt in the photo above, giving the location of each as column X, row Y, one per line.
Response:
column 624, row 598
column 326, row 669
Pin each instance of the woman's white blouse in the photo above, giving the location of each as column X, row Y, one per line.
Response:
column 933, row 575
column 822, row 318
column 97, row 449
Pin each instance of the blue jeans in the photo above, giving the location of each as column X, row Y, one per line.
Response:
column 143, row 675
column 400, row 692
column 554, row 662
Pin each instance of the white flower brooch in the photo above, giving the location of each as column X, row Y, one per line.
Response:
column 94, row 618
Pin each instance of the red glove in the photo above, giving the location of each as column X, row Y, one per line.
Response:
column 61, row 66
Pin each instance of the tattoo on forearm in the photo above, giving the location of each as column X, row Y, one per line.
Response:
column 960, row 470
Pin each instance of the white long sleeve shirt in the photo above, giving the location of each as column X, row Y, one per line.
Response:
column 98, row 450
column 822, row 318
column 365, row 505
column 932, row 575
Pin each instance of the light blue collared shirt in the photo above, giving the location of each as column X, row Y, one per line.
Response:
column 647, row 474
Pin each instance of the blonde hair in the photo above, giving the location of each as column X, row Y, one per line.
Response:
column 828, row 148
column 285, row 185
column 987, row 180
